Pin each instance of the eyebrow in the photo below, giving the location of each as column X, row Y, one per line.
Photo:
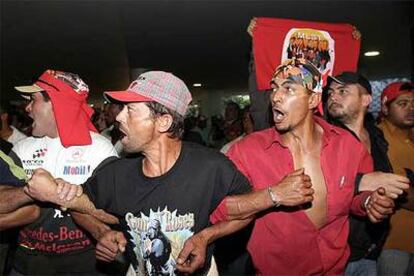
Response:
column 288, row 81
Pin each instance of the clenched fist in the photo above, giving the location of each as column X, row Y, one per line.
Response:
column 379, row 206
column 42, row 186
column 294, row 189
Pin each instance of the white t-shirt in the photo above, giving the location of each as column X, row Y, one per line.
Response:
column 54, row 232
column 74, row 164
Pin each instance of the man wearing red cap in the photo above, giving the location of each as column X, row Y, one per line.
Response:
column 66, row 144
column 397, row 112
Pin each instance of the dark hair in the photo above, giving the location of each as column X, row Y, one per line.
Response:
column 176, row 129
column 45, row 96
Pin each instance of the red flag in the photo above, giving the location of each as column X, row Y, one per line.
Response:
column 332, row 48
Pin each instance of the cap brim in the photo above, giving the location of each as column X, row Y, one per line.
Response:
column 29, row 89
column 125, row 97
column 337, row 80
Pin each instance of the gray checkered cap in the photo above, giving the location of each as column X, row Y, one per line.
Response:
column 164, row 88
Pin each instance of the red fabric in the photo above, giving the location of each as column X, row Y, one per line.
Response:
column 220, row 213
column 286, row 242
column 72, row 113
column 268, row 39
column 393, row 91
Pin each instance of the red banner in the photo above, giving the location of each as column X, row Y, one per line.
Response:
column 332, row 48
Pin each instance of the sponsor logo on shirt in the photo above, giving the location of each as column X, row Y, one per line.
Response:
column 60, row 241
column 76, row 170
column 39, row 153
column 76, row 156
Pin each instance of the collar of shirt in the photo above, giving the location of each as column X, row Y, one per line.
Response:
column 328, row 131
column 395, row 131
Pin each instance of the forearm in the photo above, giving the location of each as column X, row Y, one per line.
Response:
column 247, row 205
column 95, row 227
column 224, row 228
column 12, row 198
column 19, row 217
column 82, row 204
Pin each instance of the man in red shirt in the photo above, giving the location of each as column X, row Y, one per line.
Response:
column 310, row 238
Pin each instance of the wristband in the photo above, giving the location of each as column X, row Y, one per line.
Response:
column 273, row 198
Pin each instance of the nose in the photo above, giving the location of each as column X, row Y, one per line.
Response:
column 277, row 95
column 121, row 115
column 333, row 96
column 29, row 107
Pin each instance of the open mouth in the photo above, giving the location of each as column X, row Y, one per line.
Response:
column 278, row 115
column 122, row 134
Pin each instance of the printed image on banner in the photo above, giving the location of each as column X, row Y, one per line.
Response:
column 316, row 46
column 157, row 240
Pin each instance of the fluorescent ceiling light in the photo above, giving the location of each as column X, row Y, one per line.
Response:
column 197, row 84
column 371, row 53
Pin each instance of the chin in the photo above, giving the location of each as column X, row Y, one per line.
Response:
column 282, row 129
column 37, row 133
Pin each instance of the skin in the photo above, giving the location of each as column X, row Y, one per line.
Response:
column 22, row 216
column 349, row 103
column 148, row 135
column 41, row 111
column 400, row 112
column 293, row 116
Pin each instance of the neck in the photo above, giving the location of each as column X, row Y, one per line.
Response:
column 161, row 157
column 306, row 135
column 357, row 126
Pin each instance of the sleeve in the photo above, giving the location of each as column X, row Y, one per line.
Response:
column 236, row 156
column 365, row 166
column 231, row 182
column 100, row 187
column 6, row 176
column 228, row 181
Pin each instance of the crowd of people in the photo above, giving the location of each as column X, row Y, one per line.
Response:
column 140, row 189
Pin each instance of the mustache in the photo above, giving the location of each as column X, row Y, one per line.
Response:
column 334, row 105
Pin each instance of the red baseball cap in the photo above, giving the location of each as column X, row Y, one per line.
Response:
column 395, row 89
